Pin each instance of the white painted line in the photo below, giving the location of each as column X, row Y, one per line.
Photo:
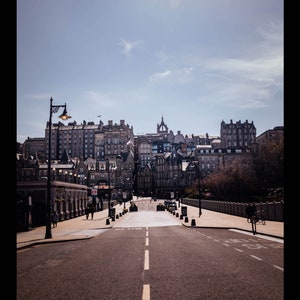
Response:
column 262, row 236
column 147, row 233
column 146, row 262
column 279, row 268
column 147, row 242
column 238, row 250
column 146, row 292
column 255, row 257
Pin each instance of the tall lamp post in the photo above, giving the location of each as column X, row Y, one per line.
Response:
column 199, row 190
column 109, row 191
column 196, row 165
column 64, row 116
column 110, row 168
column 153, row 192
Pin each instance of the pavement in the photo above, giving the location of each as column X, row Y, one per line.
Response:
column 82, row 228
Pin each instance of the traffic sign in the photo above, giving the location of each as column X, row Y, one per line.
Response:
column 94, row 192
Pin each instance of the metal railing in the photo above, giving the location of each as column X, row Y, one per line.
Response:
column 274, row 211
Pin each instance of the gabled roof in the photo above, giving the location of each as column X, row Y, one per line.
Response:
column 64, row 157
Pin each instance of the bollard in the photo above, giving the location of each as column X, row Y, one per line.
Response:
column 193, row 223
column 177, row 215
column 186, row 219
column 181, row 217
column 107, row 222
column 113, row 219
column 174, row 213
column 117, row 216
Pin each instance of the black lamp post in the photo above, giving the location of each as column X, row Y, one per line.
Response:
column 196, row 165
column 124, row 197
column 109, row 179
column 199, row 194
column 199, row 190
column 125, row 188
column 64, row 116
column 153, row 192
column 109, row 191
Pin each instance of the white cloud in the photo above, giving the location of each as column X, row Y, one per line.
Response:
column 159, row 76
column 248, row 81
column 128, row 47
column 178, row 76
column 97, row 98
column 162, row 57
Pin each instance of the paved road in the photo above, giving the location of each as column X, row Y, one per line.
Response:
column 80, row 228
column 151, row 254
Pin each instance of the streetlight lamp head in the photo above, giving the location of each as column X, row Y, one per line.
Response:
column 64, row 116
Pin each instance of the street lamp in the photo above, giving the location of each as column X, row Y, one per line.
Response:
column 199, row 194
column 153, row 191
column 199, row 190
column 196, row 165
column 64, row 116
column 123, row 196
column 109, row 191
column 110, row 168
column 124, row 190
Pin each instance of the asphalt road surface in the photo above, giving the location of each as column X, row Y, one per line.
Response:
column 149, row 255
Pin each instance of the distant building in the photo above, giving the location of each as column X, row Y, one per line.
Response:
column 237, row 135
column 276, row 134
column 149, row 164
column 34, row 147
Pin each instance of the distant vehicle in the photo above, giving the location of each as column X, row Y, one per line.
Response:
column 170, row 204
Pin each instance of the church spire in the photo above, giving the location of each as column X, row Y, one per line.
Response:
column 162, row 128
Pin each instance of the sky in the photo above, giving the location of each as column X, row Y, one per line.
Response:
column 194, row 63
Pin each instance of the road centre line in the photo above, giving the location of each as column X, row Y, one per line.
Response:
column 146, row 261
column 277, row 267
column 255, row 257
column 146, row 292
column 238, row 250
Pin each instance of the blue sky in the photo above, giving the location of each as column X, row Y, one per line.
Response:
column 192, row 62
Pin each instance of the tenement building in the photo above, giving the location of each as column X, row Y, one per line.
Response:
column 237, row 135
column 109, row 157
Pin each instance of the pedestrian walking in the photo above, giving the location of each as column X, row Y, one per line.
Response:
column 263, row 217
column 87, row 212
column 253, row 217
column 54, row 219
column 92, row 210
column 248, row 212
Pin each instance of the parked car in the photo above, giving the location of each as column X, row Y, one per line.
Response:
column 170, row 204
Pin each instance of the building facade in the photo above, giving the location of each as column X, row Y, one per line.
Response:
column 109, row 157
column 238, row 134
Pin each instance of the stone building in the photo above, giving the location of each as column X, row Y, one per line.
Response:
column 34, row 147
column 238, row 134
column 272, row 135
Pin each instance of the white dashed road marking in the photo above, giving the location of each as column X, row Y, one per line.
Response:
column 258, row 258
column 146, row 292
column 146, row 262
